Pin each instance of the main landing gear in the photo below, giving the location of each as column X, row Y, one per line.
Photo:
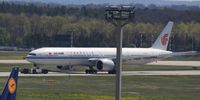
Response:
column 33, row 71
column 91, row 71
column 112, row 71
column 36, row 70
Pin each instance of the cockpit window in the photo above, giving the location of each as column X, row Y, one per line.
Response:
column 32, row 54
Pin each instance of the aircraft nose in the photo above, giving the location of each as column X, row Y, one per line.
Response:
column 30, row 56
column 27, row 56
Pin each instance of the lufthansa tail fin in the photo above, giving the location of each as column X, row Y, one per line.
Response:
column 10, row 89
column 163, row 39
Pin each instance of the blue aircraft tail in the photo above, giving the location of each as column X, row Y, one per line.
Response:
column 10, row 89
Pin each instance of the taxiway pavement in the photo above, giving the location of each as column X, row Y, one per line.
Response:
column 14, row 62
column 124, row 73
column 168, row 63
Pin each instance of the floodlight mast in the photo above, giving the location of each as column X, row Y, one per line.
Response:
column 119, row 16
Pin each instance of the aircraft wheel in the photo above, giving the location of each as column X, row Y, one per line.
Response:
column 44, row 71
column 91, row 71
column 87, row 71
column 112, row 72
column 95, row 71
column 34, row 71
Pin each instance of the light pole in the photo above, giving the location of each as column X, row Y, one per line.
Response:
column 119, row 16
column 72, row 38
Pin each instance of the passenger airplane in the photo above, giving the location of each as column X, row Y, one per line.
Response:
column 101, row 59
column 9, row 91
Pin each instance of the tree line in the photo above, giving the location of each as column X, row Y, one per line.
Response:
column 34, row 26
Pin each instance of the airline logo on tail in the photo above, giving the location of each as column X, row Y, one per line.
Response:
column 164, row 39
column 10, row 89
column 12, row 85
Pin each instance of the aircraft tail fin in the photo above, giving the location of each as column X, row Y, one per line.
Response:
column 163, row 39
column 10, row 89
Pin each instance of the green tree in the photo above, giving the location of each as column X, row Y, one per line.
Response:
column 4, row 37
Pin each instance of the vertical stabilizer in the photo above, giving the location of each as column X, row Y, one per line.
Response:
column 163, row 39
column 10, row 89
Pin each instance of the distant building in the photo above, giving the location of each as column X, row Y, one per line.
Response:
column 8, row 48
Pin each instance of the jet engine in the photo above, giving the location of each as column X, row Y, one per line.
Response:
column 105, row 64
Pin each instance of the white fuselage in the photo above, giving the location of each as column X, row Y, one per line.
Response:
column 82, row 56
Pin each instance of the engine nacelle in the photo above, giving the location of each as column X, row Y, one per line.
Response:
column 105, row 64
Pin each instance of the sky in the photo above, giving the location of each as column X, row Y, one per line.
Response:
column 185, row 0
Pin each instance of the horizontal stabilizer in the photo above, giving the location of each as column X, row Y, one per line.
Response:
column 187, row 53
